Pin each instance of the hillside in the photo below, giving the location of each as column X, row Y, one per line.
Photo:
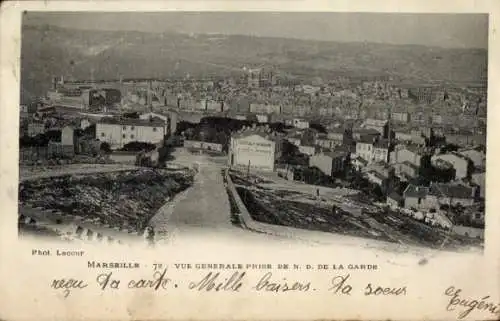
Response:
column 50, row 51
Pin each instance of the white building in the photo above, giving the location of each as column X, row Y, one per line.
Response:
column 67, row 136
column 118, row 132
column 308, row 150
column 262, row 118
column 373, row 151
column 211, row 105
column 329, row 162
column 300, row 123
column 255, row 148
column 376, row 178
column 265, row 108
column 477, row 157
column 407, row 153
column 164, row 118
column 376, row 124
column 35, row 128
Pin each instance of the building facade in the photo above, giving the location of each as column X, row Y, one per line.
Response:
column 403, row 154
column 380, row 126
column 35, row 129
column 119, row 132
column 406, row 170
column 300, row 123
column 257, row 150
column 265, row 108
column 400, row 117
column 329, row 163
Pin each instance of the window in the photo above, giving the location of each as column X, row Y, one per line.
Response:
column 132, row 127
column 102, row 134
column 154, row 129
column 123, row 135
column 131, row 136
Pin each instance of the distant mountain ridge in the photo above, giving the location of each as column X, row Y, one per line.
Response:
column 49, row 51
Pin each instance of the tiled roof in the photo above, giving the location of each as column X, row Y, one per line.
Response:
column 365, row 140
column 335, row 130
column 395, row 196
column 375, row 122
column 361, row 160
column 416, row 191
column 260, row 131
column 378, row 175
column 322, row 136
column 382, row 143
column 452, row 191
column 335, row 153
column 154, row 122
column 366, row 131
column 407, row 163
column 345, row 148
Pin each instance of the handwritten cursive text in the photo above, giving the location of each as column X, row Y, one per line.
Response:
column 212, row 281
column 469, row 305
column 267, row 284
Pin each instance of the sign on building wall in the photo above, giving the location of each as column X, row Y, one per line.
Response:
column 254, row 151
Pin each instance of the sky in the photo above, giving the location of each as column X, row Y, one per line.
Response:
column 442, row 30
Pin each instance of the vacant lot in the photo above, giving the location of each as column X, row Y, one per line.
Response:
column 128, row 198
column 280, row 207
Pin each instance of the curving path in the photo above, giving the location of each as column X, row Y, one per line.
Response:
column 203, row 208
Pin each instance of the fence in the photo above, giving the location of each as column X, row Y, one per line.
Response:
column 203, row 145
column 45, row 152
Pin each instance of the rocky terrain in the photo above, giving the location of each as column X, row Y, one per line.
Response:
column 128, row 198
column 305, row 211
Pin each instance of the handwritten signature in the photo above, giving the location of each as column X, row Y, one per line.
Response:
column 468, row 304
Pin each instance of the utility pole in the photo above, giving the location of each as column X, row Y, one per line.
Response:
column 389, row 130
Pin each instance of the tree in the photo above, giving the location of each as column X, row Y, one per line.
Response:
column 89, row 131
column 223, row 139
column 207, row 133
column 105, row 147
column 189, row 133
column 377, row 192
column 164, row 154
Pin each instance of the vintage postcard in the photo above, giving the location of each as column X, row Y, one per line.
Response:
column 281, row 160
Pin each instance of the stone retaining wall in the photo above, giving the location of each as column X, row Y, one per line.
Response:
column 75, row 227
column 317, row 237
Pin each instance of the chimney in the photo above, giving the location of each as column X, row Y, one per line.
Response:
column 150, row 96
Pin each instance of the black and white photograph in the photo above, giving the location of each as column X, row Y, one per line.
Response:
column 363, row 129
